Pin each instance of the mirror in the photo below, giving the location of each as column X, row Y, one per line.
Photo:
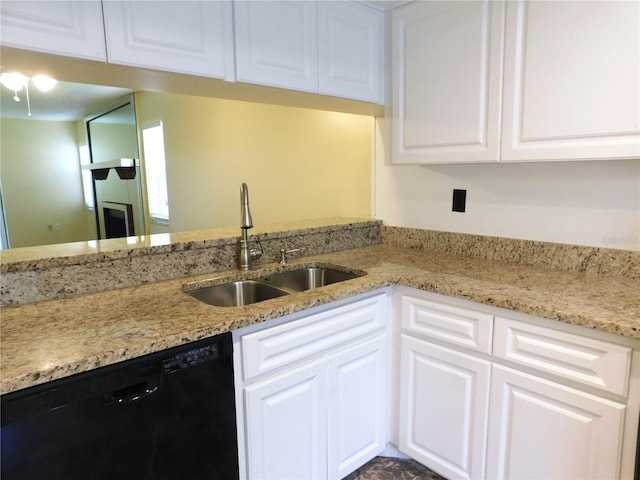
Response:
column 115, row 168
column 300, row 163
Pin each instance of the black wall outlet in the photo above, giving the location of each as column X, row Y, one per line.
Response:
column 459, row 200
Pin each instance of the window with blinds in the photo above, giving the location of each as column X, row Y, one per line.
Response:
column 155, row 172
column 87, row 181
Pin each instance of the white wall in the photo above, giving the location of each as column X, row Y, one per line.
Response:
column 594, row 203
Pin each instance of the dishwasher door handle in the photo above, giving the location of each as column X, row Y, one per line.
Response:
column 132, row 393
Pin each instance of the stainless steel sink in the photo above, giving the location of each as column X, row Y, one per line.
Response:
column 237, row 294
column 308, row 278
column 246, row 292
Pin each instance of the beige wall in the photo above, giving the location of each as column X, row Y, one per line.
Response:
column 113, row 141
column 298, row 163
column 41, row 183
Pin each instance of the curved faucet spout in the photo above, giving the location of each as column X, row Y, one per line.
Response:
column 245, row 213
column 246, row 254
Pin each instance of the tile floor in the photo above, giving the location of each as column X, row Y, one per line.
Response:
column 387, row 468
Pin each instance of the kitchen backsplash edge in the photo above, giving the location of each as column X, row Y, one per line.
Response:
column 565, row 257
column 53, row 278
column 48, row 279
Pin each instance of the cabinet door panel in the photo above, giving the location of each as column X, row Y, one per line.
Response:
column 357, row 405
column 572, row 80
column 63, row 27
column 350, row 50
column 446, row 81
column 276, row 43
column 286, row 425
column 539, row 429
column 182, row 36
column 443, row 408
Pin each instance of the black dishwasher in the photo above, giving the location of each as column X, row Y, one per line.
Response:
column 168, row 415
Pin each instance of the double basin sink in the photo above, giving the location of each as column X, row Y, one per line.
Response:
column 245, row 292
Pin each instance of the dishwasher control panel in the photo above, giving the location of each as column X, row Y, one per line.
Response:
column 191, row 358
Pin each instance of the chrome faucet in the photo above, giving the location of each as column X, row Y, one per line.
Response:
column 284, row 252
column 245, row 253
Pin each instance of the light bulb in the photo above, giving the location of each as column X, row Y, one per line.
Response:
column 44, row 83
column 14, row 81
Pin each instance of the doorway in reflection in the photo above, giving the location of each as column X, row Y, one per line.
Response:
column 115, row 168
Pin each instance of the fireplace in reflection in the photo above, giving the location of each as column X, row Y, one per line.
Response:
column 118, row 219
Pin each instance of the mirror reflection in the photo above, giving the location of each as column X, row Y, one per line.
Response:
column 116, row 183
column 300, row 164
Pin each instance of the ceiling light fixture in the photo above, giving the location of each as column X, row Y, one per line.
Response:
column 44, row 83
column 16, row 81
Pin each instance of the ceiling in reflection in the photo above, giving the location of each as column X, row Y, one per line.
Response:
column 65, row 102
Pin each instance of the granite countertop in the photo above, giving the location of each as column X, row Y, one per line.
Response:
column 53, row 339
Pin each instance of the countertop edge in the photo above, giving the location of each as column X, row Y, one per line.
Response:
column 429, row 278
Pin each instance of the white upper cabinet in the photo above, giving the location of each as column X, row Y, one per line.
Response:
column 192, row 37
column 445, row 104
column 333, row 47
column 568, row 89
column 350, row 50
column 572, row 80
column 277, row 43
column 68, row 28
column 330, row 47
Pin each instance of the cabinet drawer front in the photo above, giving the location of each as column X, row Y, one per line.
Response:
column 581, row 359
column 285, row 344
column 455, row 325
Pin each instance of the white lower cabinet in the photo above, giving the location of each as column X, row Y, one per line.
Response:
column 487, row 393
column 314, row 392
column 285, row 423
column 541, row 429
column 484, row 393
column 443, row 408
column 357, row 405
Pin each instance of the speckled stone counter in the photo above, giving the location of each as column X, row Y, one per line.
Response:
column 53, row 339
column 35, row 274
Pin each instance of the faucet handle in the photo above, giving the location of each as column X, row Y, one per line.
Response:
column 257, row 254
column 283, row 254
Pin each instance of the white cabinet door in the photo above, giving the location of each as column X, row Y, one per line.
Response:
column 286, row 425
column 443, row 408
column 572, row 80
column 277, row 43
column 540, row 429
column 193, row 37
column 446, row 81
column 350, row 50
column 315, row 392
column 357, row 412
column 70, row 28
